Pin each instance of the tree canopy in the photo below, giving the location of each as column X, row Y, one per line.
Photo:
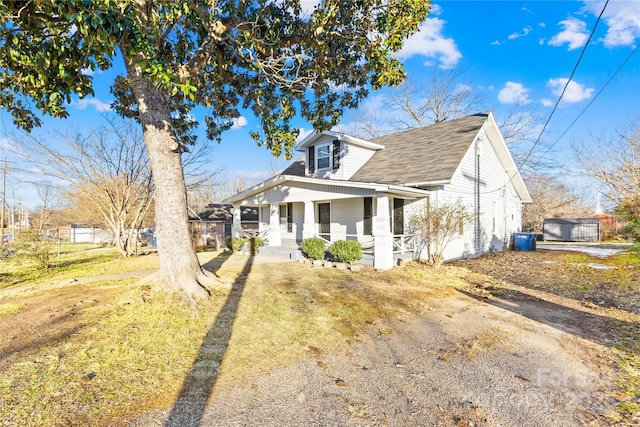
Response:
column 272, row 57
column 267, row 56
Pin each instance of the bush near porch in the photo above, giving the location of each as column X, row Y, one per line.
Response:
column 313, row 248
column 346, row 250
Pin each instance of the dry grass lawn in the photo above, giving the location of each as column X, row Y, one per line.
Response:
column 101, row 353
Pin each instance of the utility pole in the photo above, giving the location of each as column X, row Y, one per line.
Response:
column 4, row 199
column 4, row 187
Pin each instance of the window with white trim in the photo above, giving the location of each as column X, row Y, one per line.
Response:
column 323, row 157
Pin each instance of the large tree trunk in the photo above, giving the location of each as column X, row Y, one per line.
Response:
column 179, row 265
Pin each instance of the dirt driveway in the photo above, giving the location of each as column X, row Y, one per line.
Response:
column 489, row 355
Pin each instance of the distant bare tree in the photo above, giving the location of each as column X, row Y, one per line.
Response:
column 440, row 96
column 50, row 203
column 552, row 199
column 614, row 164
column 445, row 95
column 104, row 172
column 215, row 189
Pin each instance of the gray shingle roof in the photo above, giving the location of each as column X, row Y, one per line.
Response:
column 430, row 153
column 427, row 154
column 296, row 168
column 219, row 212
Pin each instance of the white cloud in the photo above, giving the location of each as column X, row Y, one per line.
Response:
column 83, row 103
column 303, row 133
column 496, row 43
column 547, row 102
column 525, row 31
column 435, row 10
column 239, row 123
column 575, row 91
column 574, row 34
column 622, row 18
column 429, row 41
column 514, row 93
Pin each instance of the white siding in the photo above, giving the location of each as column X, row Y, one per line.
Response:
column 352, row 158
column 347, row 218
column 264, row 218
column 499, row 209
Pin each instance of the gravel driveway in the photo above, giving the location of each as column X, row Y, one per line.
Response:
column 466, row 361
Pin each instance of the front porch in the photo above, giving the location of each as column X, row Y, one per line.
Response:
column 292, row 209
column 403, row 247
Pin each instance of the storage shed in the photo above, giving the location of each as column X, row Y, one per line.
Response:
column 572, row 229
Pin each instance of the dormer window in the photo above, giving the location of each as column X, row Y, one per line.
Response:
column 326, row 156
column 322, row 155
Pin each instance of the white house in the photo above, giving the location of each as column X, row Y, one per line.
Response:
column 350, row 188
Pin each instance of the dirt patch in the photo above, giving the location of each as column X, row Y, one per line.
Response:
column 49, row 316
column 565, row 273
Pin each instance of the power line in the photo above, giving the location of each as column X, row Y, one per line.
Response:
column 594, row 98
column 555, row 107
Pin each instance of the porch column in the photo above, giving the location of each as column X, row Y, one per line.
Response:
column 309, row 225
column 275, row 236
column 236, row 228
column 383, row 239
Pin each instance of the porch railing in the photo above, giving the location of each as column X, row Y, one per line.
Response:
column 403, row 243
column 367, row 245
column 263, row 234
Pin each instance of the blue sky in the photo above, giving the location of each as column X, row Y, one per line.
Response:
column 511, row 52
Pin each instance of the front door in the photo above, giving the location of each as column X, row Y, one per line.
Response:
column 324, row 217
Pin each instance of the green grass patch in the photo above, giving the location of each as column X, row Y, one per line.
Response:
column 72, row 261
column 577, row 258
column 10, row 308
column 627, row 258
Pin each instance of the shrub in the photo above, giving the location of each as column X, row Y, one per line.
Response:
column 234, row 243
column 35, row 246
column 255, row 243
column 346, row 250
column 313, row 248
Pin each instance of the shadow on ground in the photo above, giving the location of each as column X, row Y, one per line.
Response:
column 200, row 380
column 599, row 329
column 214, row 264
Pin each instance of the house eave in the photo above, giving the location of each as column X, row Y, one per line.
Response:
column 401, row 190
column 311, row 138
column 428, row 183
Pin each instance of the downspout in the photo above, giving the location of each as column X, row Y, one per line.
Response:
column 478, row 227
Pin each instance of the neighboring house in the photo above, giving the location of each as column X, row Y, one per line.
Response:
column 211, row 224
column 366, row 190
column 78, row 233
column 610, row 226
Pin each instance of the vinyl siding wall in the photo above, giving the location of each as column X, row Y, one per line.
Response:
column 499, row 209
column 352, row 158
